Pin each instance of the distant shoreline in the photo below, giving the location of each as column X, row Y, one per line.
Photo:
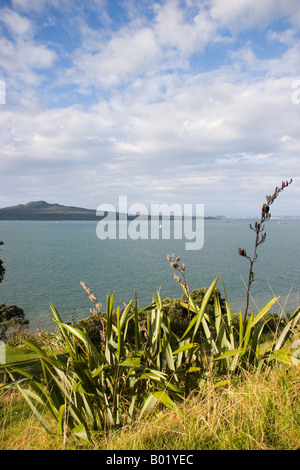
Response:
column 43, row 211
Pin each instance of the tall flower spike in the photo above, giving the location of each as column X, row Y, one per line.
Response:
column 259, row 238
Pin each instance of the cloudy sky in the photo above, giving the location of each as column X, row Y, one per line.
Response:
column 188, row 101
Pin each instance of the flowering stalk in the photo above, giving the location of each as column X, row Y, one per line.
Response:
column 175, row 265
column 259, row 239
column 96, row 310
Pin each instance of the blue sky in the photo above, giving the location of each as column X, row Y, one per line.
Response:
column 191, row 101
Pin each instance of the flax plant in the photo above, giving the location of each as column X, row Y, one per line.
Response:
column 92, row 388
column 98, row 387
column 227, row 349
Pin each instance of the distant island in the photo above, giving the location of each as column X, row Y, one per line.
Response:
column 41, row 210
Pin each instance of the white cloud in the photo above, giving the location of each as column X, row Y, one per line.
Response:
column 18, row 24
column 175, row 31
column 146, row 119
column 126, row 54
column 241, row 15
column 140, row 47
column 21, row 57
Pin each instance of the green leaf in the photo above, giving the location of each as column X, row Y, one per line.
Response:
column 154, row 375
column 58, row 320
column 229, row 353
column 83, row 337
column 148, row 405
column 283, row 356
column 287, row 329
column 265, row 310
column 136, row 324
column 61, row 418
column 196, row 321
column 34, row 409
column 193, row 369
column 81, row 432
column 248, row 331
column 134, row 362
column 126, row 315
column 226, row 382
column 255, row 337
column 164, row 398
column 168, row 353
column 185, row 347
column 158, row 313
column 173, row 388
column 78, row 333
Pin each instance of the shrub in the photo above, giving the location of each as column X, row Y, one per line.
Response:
column 92, row 326
column 12, row 321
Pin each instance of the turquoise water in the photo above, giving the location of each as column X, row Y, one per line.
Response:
column 45, row 262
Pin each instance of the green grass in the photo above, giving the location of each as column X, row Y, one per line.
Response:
column 259, row 412
column 19, row 354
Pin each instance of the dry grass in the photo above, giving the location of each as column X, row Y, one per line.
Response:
column 257, row 413
column 261, row 413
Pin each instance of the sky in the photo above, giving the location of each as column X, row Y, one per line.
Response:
column 168, row 102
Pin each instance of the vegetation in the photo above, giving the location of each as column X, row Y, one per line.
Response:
column 41, row 210
column 216, row 376
column 12, row 321
column 94, row 389
column 258, row 412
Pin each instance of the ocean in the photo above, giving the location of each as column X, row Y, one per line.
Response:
column 45, row 262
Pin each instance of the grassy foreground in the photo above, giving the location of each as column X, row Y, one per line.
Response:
column 257, row 412
column 218, row 387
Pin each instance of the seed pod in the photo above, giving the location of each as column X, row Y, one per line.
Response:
column 242, row 252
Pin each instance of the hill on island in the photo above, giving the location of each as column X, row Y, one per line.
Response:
column 41, row 210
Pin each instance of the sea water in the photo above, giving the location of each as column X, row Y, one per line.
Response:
column 46, row 261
